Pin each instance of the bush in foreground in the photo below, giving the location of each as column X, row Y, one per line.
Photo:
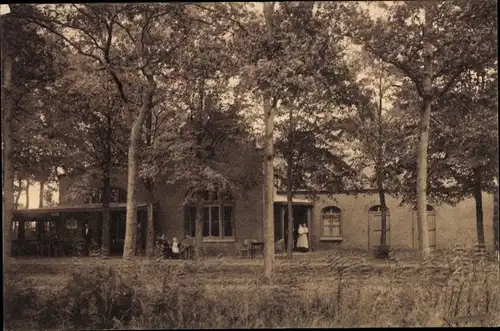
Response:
column 349, row 293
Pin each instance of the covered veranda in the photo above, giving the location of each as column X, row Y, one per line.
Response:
column 71, row 230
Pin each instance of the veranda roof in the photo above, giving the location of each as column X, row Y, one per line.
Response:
column 55, row 210
column 281, row 199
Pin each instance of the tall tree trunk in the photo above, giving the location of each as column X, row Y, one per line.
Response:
column 269, row 191
column 106, row 213
column 383, row 212
column 8, row 171
column 479, row 208
column 269, row 105
column 27, row 193
column 289, row 199
column 289, row 186
column 106, row 194
column 379, row 170
column 18, row 195
column 129, row 247
column 496, row 221
column 150, row 235
column 40, row 194
column 425, row 116
column 496, row 227
column 150, row 240
column 198, row 238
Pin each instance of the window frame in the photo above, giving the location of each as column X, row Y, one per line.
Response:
column 331, row 210
column 30, row 230
column 71, row 224
column 220, row 205
column 15, row 229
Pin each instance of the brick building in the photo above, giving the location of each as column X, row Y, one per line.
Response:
column 353, row 222
column 340, row 221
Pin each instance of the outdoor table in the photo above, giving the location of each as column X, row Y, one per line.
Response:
column 253, row 247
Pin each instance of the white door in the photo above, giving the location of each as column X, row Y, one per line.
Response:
column 431, row 223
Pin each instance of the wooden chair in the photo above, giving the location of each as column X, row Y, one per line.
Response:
column 43, row 247
column 32, row 247
column 58, row 247
column 186, row 251
column 279, row 246
column 187, row 248
column 81, row 248
column 245, row 249
column 15, row 248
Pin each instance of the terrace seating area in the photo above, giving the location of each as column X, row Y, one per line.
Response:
column 70, row 230
column 51, row 247
column 185, row 249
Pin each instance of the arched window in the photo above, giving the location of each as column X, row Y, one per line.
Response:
column 429, row 209
column 378, row 209
column 217, row 216
column 331, row 219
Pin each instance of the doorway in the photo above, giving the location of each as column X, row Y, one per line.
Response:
column 300, row 216
column 117, row 234
column 375, row 226
column 431, row 224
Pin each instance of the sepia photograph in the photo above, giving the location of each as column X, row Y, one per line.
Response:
column 250, row 165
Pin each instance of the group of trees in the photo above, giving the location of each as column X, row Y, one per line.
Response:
column 166, row 90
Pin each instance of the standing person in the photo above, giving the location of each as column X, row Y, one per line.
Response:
column 302, row 241
column 187, row 247
column 175, row 248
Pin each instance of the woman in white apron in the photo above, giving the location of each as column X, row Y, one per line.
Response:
column 302, row 241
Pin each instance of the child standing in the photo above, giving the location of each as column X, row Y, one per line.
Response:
column 175, row 248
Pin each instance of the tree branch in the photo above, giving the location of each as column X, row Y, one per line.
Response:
column 405, row 69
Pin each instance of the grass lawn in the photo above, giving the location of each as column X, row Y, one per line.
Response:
column 47, row 272
column 311, row 290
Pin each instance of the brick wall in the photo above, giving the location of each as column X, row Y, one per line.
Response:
column 247, row 219
column 454, row 224
column 247, row 209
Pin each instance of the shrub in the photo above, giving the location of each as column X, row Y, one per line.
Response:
column 348, row 292
column 382, row 252
column 100, row 299
column 20, row 303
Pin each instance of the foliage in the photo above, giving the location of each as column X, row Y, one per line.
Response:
column 303, row 54
column 469, row 136
column 203, row 116
column 311, row 154
column 208, row 152
column 462, row 139
column 142, row 295
column 462, row 39
column 36, row 66
column 373, row 129
column 93, row 136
